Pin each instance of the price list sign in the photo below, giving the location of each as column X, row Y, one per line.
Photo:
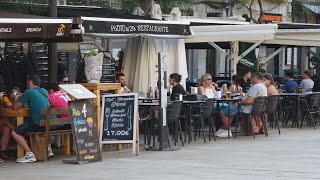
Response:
column 84, row 129
column 119, row 119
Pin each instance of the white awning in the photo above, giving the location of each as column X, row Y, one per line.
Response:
column 296, row 37
column 223, row 33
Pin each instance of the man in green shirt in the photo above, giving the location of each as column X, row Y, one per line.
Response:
column 37, row 100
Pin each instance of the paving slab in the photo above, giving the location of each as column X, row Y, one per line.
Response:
column 292, row 155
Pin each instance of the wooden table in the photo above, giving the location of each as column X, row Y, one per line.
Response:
column 19, row 114
column 96, row 88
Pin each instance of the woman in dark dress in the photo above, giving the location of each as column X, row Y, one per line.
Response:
column 177, row 88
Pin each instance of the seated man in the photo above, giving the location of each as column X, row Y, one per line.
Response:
column 120, row 78
column 257, row 90
column 290, row 86
column 37, row 100
column 245, row 80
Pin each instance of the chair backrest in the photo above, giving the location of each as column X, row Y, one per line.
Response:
column 271, row 104
column 174, row 112
column 315, row 101
column 257, row 106
column 288, row 101
column 51, row 122
column 208, row 108
column 202, row 97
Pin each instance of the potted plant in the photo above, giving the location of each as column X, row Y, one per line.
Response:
column 93, row 66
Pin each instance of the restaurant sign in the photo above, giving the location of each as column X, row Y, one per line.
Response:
column 84, row 131
column 119, row 123
column 135, row 28
column 33, row 30
column 272, row 17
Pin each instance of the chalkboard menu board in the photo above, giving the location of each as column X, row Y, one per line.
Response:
column 84, row 129
column 119, row 117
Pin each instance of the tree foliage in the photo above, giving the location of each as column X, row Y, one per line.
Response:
column 166, row 5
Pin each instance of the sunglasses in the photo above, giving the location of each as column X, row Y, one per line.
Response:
column 66, row 81
column 209, row 79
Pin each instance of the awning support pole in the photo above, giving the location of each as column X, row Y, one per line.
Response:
column 52, row 47
column 249, row 50
column 313, row 53
column 266, row 59
column 218, row 48
column 234, row 56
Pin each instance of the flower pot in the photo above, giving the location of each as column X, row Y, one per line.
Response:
column 93, row 68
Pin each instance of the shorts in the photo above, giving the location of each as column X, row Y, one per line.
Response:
column 28, row 126
column 219, row 106
column 233, row 110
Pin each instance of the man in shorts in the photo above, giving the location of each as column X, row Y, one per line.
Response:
column 257, row 90
column 37, row 100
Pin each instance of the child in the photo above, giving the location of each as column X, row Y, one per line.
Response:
column 9, row 98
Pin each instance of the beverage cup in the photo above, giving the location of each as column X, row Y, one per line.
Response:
column 228, row 95
column 194, row 90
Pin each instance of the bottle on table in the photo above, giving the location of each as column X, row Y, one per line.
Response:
column 151, row 93
column 156, row 92
column 299, row 90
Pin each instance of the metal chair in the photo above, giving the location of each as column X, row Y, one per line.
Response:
column 257, row 109
column 287, row 108
column 310, row 106
column 271, row 109
column 204, row 113
column 173, row 119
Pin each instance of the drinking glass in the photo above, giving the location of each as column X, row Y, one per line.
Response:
column 228, row 95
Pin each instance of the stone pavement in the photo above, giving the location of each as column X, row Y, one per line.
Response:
column 292, row 155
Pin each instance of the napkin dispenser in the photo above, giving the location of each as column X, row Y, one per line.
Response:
column 194, row 90
column 217, row 94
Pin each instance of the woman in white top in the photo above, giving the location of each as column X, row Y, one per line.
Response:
column 206, row 86
column 307, row 83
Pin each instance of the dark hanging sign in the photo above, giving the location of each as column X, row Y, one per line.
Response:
column 34, row 30
column 119, row 120
column 84, row 129
column 106, row 27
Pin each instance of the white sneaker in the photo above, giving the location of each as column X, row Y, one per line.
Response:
column 230, row 133
column 50, row 153
column 218, row 132
column 29, row 157
column 1, row 160
column 224, row 133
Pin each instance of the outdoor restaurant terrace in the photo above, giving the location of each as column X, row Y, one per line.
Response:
column 163, row 118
